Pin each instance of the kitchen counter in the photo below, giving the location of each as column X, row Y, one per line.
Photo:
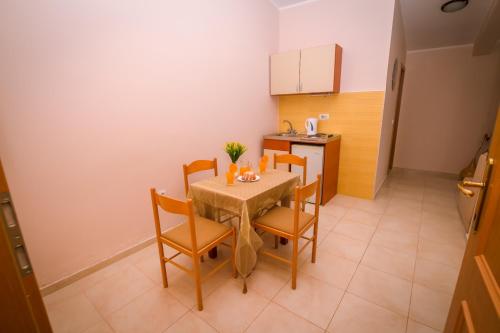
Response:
column 327, row 164
column 302, row 138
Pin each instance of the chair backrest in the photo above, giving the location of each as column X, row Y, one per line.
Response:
column 175, row 207
column 301, row 194
column 197, row 166
column 292, row 159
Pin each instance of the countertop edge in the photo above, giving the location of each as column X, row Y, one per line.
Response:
column 302, row 139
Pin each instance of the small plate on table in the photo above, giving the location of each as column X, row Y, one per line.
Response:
column 240, row 179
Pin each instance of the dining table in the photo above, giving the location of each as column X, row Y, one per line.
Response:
column 247, row 201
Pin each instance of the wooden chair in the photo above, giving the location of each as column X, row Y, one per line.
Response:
column 197, row 166
column 295, row 160
column 292, row 225
column 193, row 238
column 204, row 165
column 291, row 159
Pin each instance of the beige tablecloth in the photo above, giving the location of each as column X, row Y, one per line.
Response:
column 247, row 200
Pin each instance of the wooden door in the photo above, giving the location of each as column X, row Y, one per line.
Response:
column 285, row 73
column 317, row 66
column 395, row 123
column 476, row 303
column 21, row 305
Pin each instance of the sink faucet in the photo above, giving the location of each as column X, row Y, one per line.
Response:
column 291, row 130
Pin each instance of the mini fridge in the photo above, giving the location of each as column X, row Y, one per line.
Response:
column 314, row 155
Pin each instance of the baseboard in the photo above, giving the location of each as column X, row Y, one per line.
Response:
column 67, row 280
column 448, row 175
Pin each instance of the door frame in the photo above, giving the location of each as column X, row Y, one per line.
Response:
column 21, row 305
column 396, row 116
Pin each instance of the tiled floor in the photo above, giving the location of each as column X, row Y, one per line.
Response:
column 388, row 265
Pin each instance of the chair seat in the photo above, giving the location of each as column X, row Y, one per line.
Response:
column 281, row 218
column 207, row 231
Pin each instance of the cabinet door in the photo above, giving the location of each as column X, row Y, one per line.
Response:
column 317, row 69
column 285, row 73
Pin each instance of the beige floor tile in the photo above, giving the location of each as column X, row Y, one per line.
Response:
column 447, row 214
column 384, row 289
column 334, row 210
column 451, row 234
column 344, row 246
column 396, row 240
column 361, row 216
column 391, row 261
column 313, row 300
column 183, row 288
column 354, row 230
column 407, row 192
column 429, row 307
column 190, row 322
column 440, row 253
column 276, row 319
column 150, row 266
column 86, row 282
column 116, row 291
column 414, row 327
column 331, row 269
column 268, row 278
column 401, row 211
column 152, row 311
column 414, row 205
column 436, row 276
column 408, row 224
column 101, row 327
column 377, row 206
column 73, row 314
column 344, row 201
column 227, row 309
column 324, row 227
column 356, row 315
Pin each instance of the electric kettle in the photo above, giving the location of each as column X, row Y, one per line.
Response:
column 312, row 126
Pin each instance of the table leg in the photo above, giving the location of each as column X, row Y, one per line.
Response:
column 212, row 254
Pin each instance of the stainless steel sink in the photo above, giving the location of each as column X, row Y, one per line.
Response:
column 287, row 134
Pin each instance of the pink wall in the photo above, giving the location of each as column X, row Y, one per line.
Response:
column 397, row 51
column 449, row 101
column 362, row 28
column 99, row 100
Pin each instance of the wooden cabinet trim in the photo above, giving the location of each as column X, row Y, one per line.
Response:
column 331, row 157
column 282, row 145
column 337, row 71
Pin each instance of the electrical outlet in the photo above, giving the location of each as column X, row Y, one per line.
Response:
column 324, row 116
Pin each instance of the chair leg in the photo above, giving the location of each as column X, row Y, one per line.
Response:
column 233, row 257
column 294, row 262
column 276, row 241
column 315, row 242
column 162, row 265
column 197, row 280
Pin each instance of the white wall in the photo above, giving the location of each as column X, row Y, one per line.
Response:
column 362, row 28
column 99, row 100
column 397, row 51
column 449, row 101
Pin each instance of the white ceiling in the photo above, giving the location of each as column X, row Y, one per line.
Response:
column 287, row 3
column 427, row 27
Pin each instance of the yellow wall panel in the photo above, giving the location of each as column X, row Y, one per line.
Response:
column 357, row 117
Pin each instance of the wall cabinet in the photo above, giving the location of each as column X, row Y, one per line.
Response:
column 306, row 71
